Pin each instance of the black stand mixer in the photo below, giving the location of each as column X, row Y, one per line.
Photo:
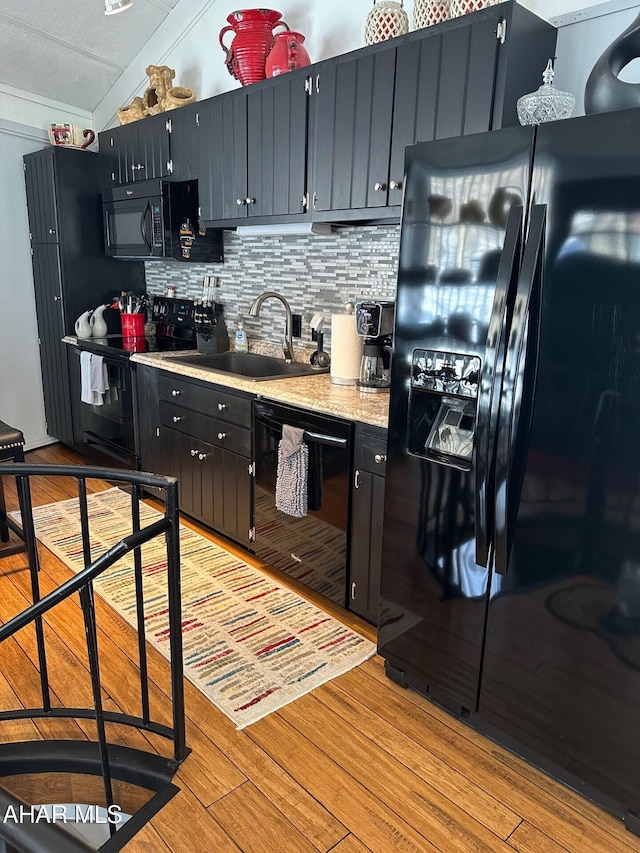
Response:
column 374, row 323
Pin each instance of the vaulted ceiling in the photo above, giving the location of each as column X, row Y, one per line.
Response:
column 70, row 51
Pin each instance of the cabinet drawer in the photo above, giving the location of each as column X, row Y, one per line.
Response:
column 203, row 428
column 206, row 399
column 371, row 450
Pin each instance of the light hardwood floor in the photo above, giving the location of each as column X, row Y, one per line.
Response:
column 356, row 765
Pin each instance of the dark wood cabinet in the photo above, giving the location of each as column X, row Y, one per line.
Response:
column 367, row 511
column 463, row 76
column 353, row 116
column 223, row 150
column 184, row 142
column 147, row 418
column 70, row 270
column 254, row 152
column 205, row 442
column 138, row 151
column 53, row 353
column 277, row 146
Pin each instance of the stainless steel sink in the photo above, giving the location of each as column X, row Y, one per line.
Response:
column 249, row 365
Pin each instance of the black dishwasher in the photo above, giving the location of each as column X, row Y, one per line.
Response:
column 311, row 549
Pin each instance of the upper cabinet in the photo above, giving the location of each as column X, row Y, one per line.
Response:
column 184, row 142
column 253, row 151
column 462, row 76
column 327, row 141
column 138, row 151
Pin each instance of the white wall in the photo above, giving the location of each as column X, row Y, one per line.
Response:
column 21, row 403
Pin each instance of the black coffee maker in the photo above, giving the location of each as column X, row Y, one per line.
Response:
column 374, row 323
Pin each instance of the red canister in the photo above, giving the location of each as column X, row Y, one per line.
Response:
column 287, row 54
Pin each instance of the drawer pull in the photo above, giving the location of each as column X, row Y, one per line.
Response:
column 221, row 435
column 194, row 452
column 175, row 392
column 176, row 419
column 222, row 407
column 202, row 456
column 380, row 457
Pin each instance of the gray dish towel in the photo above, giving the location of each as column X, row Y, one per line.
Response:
column 292, row 474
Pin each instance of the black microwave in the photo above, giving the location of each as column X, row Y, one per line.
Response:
column 158, row 219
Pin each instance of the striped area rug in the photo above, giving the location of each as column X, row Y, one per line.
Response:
column 250, row 644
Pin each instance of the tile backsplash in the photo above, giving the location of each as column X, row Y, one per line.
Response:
column 313, row 273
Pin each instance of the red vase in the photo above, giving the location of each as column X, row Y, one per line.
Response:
column 252, row 43
column 287, row 54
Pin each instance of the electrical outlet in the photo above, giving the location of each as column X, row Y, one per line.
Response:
column 297, row 326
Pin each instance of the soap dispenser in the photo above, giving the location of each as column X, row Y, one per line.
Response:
column 241, row 337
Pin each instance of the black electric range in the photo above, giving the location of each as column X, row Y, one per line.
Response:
column 123, row 347
column 174, row 330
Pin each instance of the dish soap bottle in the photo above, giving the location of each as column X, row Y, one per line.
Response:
column 241, row 337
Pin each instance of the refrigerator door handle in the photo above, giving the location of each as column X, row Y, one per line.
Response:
column 491, row 381
column 519, row 371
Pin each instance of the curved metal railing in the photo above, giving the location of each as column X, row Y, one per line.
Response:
column 82, row 583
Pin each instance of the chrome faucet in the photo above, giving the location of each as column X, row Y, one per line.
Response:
column 254, row 311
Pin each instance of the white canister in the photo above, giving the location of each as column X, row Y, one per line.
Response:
column 346, row 350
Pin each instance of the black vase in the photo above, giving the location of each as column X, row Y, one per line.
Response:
column 604, row 90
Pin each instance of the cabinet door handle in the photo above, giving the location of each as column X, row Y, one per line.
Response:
column 193, row 452
column 57, row 298
column 177, row 419
column 202, row 456
column 395, row 185
column 380, row 457
column 52, row 230
column 222, row 435
column 356, row 479
column 175, row 392
column 353, row 590
column 250, row 201
column 222, row 407
column 378, row 187
column 240, row 201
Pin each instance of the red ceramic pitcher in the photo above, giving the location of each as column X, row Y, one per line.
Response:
column 287, row 54
column 251, row 44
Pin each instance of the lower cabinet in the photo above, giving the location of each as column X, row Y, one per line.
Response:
column 209, row 456
column 367, row 511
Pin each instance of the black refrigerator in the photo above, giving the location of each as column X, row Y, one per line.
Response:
column 510, row 588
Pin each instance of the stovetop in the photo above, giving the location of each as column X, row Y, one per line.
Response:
column 119, row 346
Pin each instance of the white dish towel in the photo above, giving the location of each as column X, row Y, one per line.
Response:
column 94, row 380
column 292, row 473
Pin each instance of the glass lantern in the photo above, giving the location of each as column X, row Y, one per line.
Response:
column 545, row 104
column 386, row 20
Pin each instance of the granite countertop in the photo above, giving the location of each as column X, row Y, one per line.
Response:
column 316, row 393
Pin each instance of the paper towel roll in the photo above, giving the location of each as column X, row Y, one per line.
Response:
column 346, row 350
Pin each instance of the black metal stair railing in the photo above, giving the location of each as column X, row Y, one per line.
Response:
column 82, row 583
